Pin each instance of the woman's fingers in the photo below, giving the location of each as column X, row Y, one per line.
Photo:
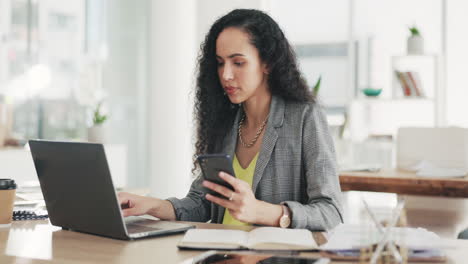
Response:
column 218, row 188
column 123, row 198
column 220, row 201
column 130, row 212
column 129, row 204
column 236, row 183
column 241, row 203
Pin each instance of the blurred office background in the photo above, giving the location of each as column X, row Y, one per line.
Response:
column 59, row 59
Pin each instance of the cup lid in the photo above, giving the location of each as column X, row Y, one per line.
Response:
column 7, row 184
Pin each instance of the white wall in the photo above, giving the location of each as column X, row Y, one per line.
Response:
column 124, row 25
column 173, row 53
column 210, row 10
column 318, row 21
column 457, row 61
column 4, row 27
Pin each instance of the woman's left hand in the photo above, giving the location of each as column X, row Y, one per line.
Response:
column 241, row 202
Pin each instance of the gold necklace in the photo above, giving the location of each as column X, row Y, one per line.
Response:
column 259, row 131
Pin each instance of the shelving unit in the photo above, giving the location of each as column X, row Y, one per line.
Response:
column 428, row 68
column 383, row 115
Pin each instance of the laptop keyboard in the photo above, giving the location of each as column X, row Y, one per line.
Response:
column 134, row 229
column 138, row 227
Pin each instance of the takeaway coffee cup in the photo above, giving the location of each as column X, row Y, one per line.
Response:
column 7, row 199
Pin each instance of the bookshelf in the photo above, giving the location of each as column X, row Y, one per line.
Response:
column 384, row 115
column 374, row 121
column 426, row 66
column 418, row 79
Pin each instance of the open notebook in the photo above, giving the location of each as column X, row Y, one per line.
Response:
column 262, row 238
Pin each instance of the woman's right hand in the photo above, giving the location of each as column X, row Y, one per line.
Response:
column 133, row 204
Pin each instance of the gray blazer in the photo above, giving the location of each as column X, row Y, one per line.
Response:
column 296, row 165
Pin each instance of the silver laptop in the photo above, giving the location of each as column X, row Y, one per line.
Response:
column 79, row 194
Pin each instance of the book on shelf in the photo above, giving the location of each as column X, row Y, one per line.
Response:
column 416, row 81
column 404, row 84
column 262, row 238
column 410, row 83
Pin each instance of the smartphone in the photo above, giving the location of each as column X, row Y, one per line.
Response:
column 213, row 257
column 211, row 165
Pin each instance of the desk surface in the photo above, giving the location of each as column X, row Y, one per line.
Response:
column 403, row 182
column 40, row 242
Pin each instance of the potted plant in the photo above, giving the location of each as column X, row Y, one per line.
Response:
column 415, row 44
column 96, row 133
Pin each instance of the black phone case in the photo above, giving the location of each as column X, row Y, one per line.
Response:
column 211, row 165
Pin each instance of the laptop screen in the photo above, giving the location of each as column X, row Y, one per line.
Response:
column 77, row 187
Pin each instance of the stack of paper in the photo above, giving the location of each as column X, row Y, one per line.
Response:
column 347, row 240
column 428, row 169
column 348, row 236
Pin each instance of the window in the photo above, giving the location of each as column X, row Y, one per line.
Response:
column 57, row 58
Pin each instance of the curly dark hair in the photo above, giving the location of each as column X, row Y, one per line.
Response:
column 214, row 112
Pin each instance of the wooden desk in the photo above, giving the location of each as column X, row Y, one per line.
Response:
column 403, row 182
column 40, row 242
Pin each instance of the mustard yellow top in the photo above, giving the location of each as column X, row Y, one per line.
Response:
column 245, row 175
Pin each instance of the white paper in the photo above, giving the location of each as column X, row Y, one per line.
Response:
column 360, row 167
column 348, row 236
column 427, row 169
column 30, row 196
column 299, row 237
column 217, row 236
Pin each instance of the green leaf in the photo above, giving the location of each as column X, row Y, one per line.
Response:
column 414, row 31
column 99, row 118
column 316, row 88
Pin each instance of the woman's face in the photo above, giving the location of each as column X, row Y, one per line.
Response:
column 241, row 72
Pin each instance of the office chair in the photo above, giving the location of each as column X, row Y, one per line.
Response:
column 463, row 234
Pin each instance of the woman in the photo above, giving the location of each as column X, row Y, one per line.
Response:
column 253, row 104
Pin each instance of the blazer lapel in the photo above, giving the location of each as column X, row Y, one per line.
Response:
column 269, row 139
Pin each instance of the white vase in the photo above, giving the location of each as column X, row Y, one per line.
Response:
column 96, row 134
column 415, row 45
